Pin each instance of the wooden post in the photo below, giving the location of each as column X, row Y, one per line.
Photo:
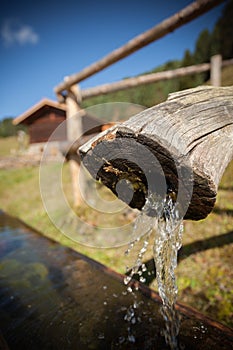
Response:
column 74, row 131
column 184, row 143
column 216, row 70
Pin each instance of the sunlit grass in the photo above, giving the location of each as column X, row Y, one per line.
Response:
column 204, row 274
column 205, row 277
column 8, row 146
column 20, row 196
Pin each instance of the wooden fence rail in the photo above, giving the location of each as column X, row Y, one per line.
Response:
column 155, row 77
column 184, row 16
column 69, row 92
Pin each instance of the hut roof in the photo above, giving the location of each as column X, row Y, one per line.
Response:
column 45, row 102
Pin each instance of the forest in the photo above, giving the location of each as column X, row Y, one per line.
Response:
column 219, row 41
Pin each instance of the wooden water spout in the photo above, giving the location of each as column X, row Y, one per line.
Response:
column 182, row 145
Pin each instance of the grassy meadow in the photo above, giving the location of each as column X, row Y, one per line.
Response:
column 204, row 272
column 8, row 146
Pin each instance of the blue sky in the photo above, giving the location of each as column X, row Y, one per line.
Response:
column 41, row 42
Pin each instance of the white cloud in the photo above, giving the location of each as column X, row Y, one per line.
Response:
column 13, row 32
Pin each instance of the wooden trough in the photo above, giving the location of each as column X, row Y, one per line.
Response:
column 52, row 297
column 181, row 146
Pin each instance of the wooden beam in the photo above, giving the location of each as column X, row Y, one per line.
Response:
column 182, row 17
column 154, row 77
column 227, row 62
column 182, row 145
column 74, row 131
column 143, row 80
column 216, row 70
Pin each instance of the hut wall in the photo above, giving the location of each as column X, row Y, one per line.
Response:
column 44, row 125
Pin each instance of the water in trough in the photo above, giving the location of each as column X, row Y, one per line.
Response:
column 52, row 297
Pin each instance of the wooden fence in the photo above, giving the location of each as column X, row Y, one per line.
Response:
column 215, row 67
column 184, row 16
column 68, row 91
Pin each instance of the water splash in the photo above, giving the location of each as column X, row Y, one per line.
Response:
column 143, row 227
column 168, row 240
column 161, row 216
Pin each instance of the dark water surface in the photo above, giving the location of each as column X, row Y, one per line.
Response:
column 54, row 298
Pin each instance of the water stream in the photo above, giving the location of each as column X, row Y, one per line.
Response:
column 52, row 297
column 159, row 216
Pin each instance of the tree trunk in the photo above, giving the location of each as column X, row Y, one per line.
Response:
column 181, row 146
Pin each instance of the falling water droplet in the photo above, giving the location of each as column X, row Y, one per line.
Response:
column 168, row 230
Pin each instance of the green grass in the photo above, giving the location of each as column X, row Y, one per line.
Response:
column 8, row 146
column 20, row 197
column 204, row 273
column 227, row 76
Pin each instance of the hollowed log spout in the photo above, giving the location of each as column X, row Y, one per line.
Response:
column 181, row 146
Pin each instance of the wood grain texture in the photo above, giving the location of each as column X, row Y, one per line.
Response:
column 182, row 145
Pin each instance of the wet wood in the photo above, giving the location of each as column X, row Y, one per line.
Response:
column 182, row 145
column 71, row 301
